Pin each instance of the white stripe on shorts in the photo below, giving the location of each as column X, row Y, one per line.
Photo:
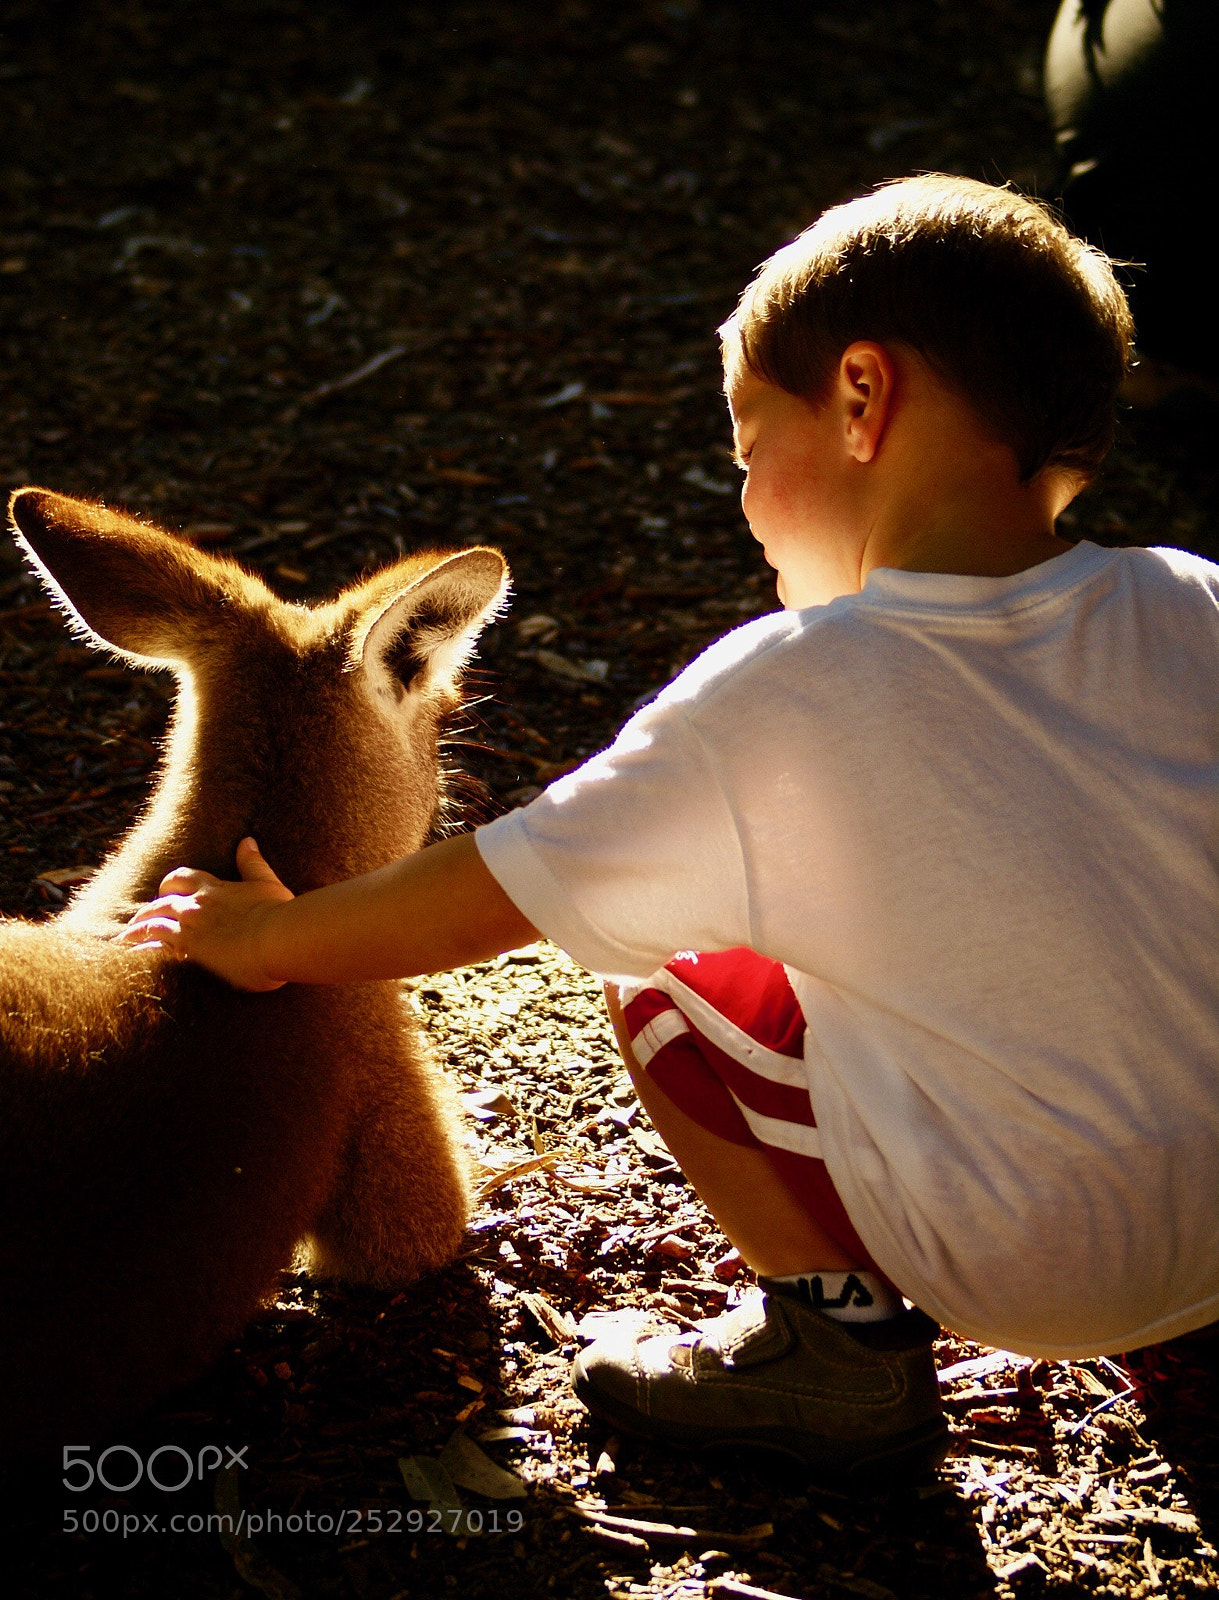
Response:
column 733, row 1041
column 666, row 1026
column 662, row 1030
column 797, row 1137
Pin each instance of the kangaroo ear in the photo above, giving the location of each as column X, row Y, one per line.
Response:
column 125, row 586
column 426, row 633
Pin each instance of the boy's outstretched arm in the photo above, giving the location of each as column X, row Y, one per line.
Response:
column 433, row 910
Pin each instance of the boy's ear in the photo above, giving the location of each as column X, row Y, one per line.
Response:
column 866, row 382
column 423, row 636
column 124, row 586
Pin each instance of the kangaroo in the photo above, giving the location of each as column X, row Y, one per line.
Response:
column 165, row 1140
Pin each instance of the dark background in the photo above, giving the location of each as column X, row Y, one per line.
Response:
column 211, row 213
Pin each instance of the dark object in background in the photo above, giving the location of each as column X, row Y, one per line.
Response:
column 1129, row 90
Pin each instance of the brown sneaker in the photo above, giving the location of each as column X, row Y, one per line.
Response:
column 859, row 1399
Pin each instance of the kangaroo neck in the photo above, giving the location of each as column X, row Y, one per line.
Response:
column 179, row 827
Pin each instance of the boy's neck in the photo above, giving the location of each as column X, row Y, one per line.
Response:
column 985, row 529
column 945, row 497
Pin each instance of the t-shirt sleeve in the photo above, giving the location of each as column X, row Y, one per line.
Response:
column 631, row 858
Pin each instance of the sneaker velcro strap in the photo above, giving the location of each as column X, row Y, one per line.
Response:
column 751, row 1334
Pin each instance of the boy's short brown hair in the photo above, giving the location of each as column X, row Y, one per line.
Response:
column 1027, row 323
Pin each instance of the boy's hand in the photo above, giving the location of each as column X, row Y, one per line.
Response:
column 437, row 908
column 218, row 924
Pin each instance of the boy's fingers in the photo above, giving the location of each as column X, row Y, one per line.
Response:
column 154, row 932
column 184, row 880
column 140, row 919
column 252, row 865
column 156, row 911
column 164, row 912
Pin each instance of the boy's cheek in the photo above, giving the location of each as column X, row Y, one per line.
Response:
column 758, row 501
column 771, row 520
column 779, row 494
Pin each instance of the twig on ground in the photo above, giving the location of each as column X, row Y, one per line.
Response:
column 373, row 364
column 742, row 1591
column 672, row 1531
column 518, row 1169
column 553, row 1322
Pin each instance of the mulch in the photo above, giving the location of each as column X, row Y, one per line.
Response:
column 315, row 284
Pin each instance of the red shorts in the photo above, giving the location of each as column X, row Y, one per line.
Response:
column 723, row 1037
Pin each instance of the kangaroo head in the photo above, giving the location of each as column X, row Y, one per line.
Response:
column 313, row 727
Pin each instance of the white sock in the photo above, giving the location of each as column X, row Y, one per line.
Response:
column 854, row 1296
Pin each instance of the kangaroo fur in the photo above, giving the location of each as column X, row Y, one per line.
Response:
column 167, row 1141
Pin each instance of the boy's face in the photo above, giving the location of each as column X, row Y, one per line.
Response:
column 793, row 493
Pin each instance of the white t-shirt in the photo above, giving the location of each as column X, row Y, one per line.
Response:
column 978, row 820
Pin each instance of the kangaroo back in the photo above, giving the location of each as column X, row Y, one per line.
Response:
column 164, row 1139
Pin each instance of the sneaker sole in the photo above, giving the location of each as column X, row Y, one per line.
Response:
column 909, row 1453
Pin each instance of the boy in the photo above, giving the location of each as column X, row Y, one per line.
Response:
column 943, row 831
